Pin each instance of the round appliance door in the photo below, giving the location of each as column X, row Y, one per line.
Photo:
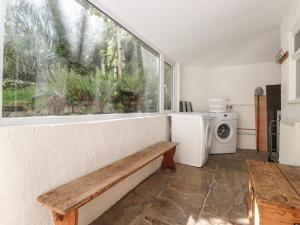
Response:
column 224, row 131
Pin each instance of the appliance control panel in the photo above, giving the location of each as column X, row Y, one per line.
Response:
column 226, row 116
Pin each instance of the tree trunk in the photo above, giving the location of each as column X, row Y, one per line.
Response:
column 120, row 75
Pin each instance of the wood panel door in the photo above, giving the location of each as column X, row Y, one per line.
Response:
column 261, row 123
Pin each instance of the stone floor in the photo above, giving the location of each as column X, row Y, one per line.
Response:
column 212, row 195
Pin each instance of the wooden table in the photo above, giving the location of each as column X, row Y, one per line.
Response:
column 274, row 194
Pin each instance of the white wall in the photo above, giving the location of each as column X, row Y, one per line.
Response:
column 35, row 159
column 289, row 111
column 236, row 83
column 289, row 154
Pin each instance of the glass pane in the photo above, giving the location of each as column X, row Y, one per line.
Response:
column 139, row 70
column 297, row 41
column 298, row 79
column 168, row 87
column 65, row 57
column 223, row 131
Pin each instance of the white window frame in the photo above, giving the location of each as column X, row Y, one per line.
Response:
column 84, row 118
column 294, row 56
column 2, row 19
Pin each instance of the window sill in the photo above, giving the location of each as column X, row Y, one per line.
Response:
column 296, row 55
column 80, row 119
column 294, row 101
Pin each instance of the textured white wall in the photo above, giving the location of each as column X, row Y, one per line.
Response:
column 289, row 111
column 289, row 153
column 35, row 159
column 237, row 83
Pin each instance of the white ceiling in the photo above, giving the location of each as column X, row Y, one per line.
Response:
column 207, row 32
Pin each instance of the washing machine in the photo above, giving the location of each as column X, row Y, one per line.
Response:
column 191, row 131
column 224, row 133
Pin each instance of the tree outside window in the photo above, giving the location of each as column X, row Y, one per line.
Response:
column 66, row 57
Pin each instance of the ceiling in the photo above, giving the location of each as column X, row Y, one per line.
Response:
column 207, row 33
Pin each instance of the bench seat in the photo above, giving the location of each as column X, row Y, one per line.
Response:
column 66, row 199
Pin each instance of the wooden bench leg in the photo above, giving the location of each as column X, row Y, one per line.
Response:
column 69, row 219
column 168, row 160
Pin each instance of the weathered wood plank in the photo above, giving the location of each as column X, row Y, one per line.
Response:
column 68, row 219
column 271, row 186
column 74, row 194
column 279, row 215
column 168, row 160
column 277, row 200
column 292, row 173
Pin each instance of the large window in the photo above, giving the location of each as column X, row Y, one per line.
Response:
column 168, row 87
column 66, row 57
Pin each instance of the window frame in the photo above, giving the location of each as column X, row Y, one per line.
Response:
column 6, row 121
column 294, row 57
column 2, row 21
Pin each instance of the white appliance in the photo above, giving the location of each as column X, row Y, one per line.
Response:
column 224, row 133
column 217, row 105
column 192, row 133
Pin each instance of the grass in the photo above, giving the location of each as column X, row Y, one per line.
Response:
column 20, row 97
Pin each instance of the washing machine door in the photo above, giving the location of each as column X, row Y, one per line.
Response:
column 224, row 131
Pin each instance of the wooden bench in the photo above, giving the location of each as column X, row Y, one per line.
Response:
column 67, row 199
column 274, row 194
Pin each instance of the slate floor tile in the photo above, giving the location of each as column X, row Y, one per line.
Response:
column 212, row 195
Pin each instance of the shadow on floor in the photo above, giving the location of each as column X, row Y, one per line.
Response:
column 212, row 195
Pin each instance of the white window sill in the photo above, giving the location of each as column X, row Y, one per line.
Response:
column 296, row 55
column 294, row 101
column 80, row 119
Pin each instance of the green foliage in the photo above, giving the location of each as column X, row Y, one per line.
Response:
column 150, row 101
column 108, row 70
column 13, row 84
column 71, row 85
column 22, row 97
column 28, row 39
column 57, row 82
column 78, row 89
column 131, row 84
column 18, row 95
column 129, row 93
column 104, row 86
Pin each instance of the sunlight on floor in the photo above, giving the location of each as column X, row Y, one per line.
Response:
column 191, row 220
column 212, row 221
column 215, row 221
column 244, row 220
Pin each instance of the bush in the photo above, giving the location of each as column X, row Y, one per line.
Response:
column 68, row 84
column 98, row 91
column 104, row 87
column 12, row 84
column 129, row 93
column 79, row 89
